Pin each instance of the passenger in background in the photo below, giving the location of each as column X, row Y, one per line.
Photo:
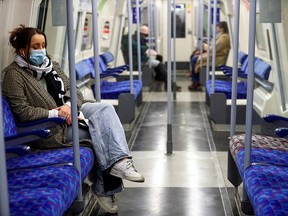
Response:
column 37, row 88
column 148, row 56
column 222, row 51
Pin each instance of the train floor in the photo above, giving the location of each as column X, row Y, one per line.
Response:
column 191, row 181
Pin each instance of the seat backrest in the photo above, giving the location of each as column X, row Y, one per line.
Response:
column 102, row 65
column 107, row 57
column 262, row 69
column 83, row 68
column 242, row 57
column 9, row 124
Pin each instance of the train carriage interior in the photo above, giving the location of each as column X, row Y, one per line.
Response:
column 198, row 88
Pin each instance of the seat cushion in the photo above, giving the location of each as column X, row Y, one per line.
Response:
column 262, row 155
column 112, row 90
column 237, row 142
column 63, row 177
column 267, row 188
column 224, row 86
column 41, row 201
column 50, row 157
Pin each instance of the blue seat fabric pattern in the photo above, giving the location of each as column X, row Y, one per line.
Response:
column 261, row 155
column 224, row 86
column 65, row 178
column 10, row 128
column 36, row 201
column 52, row 157
column 267, row 188
column 112, row 90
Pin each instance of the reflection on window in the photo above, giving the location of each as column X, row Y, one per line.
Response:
column 180, row 12
column 260, row 39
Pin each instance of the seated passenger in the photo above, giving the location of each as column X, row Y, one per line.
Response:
column 148, row 56
column 222, row 51
column 37, row 88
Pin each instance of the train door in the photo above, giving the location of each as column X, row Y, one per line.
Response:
column 184, row 33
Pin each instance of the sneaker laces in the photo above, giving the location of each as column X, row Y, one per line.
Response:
column 129, row 164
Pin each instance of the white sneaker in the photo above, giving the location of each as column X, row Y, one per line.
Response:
column 108, row 203
column 125, row 169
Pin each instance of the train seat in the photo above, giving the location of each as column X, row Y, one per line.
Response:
column 43, row 172
column 112, row 90
column 108, row 57
column 62, row 179
column 242, row 57
column 53, row 157
column 261, row 70
column 267, row 188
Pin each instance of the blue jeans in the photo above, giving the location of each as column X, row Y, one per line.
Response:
column 195, row 77
column 108, row 140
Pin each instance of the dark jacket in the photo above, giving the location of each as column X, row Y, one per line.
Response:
column 143, row 49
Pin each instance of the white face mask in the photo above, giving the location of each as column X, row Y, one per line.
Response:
column 37, row 56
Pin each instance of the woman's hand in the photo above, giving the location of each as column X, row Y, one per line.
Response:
column 65, row 111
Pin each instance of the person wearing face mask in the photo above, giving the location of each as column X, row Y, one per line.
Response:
column 36, row 88
column 148, row 56
column 222, row 51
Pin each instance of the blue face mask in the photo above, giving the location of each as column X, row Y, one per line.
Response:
column 37, row 56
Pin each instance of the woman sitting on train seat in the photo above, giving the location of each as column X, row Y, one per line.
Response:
column 222, row 51
column 148, row 56
column 37, row 88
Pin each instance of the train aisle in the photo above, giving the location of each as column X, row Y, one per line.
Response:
column 190, row 182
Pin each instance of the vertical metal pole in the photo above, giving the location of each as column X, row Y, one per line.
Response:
column 250, row 87
column 201, row 30
column 138, row 40
column 72, row 74
column 96, row 49
column 4, row 201
column 150, row 27
column 199, row 25
column 208, row 41
column 169, row 125
column 130, row 45
column 155, row 24
column 174, row 50
column 214, row 46
column 235, row 67
column 278, row 69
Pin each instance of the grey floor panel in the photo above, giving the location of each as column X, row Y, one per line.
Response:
column 170, row 202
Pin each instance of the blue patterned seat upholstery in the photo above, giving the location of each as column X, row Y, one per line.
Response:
column 112, row 90
column 261, row 70
column 64, row 178
column 224, row 86
column 52, row 157
column 10, row 128
column 267, row 188
column 261, row 155
column 36, row 201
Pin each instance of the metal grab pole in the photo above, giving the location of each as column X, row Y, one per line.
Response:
column 4, row 201
column 138, row 40
column 130, row 46
column 72, row 74
column 235, row 67
column 208, row 42
column 96, row 50
column 214, row 46
column 169, row 123
column 250, row 87
column 150, row 27
column 174, row 50
column 155, row 25
column 201, row 30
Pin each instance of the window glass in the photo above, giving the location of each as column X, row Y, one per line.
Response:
column 180, row 13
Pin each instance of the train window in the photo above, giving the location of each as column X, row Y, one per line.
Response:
column 180, row 12
column 260, row 38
